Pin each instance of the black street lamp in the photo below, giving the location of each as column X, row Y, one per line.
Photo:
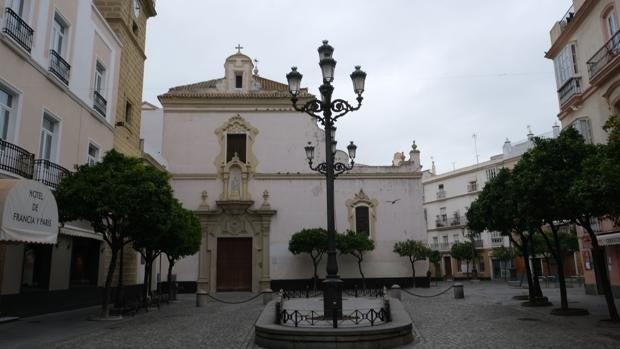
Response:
column 328, row 111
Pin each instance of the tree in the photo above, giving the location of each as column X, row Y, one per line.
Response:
column 544, row 175
column 182, row 238
column 314, row 243
column 414, row 250
column 504, row 255
column 114, row 195
column 499, row 207
column 355, row 244
column 596, row 194
column 463, row 251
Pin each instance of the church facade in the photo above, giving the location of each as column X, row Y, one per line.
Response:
column 235, row 152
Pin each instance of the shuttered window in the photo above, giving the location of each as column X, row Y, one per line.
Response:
column 235, row 143
column 362, row 219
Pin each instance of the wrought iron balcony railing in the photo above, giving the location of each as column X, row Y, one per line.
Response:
column 441, row 194
column 49, row 173
column 99, row 103
column 441, row 221
column 440, row 246
column 18, row 29
column 471, row 187
column 59, row 67
column 567, row 18
column 15, row 159
column 478, row 243
column 604, row 55
column 497, row 241
column 570, row 88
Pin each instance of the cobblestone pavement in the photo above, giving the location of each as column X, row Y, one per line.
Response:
column 488, row 317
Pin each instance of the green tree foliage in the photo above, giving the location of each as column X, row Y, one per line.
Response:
column 414, row 250
column 355, row 244
column 544, row 176
column 499, row 207
column 182, row 238
column 114, row 195
column 463, row 251
column 314, row 243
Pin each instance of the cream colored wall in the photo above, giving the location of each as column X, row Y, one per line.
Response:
column 590, row 37
column 60, row 270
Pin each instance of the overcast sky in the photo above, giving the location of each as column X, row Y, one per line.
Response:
column 438, row 71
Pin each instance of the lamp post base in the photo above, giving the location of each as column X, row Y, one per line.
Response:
column 332, row 297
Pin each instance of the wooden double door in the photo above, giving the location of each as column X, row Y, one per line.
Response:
column 234, row 264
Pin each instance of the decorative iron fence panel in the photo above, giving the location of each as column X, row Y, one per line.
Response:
column 18, row 29
column 49, row 173
column 59, row 67
column 15, row 159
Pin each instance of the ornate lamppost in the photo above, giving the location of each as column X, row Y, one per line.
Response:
column 328, row 111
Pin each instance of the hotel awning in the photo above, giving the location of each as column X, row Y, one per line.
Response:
column 609, row 239
column 28, row 212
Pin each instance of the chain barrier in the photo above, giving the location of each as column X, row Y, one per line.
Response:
column 428, row 296
column 235, row 302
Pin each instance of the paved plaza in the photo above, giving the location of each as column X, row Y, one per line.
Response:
column 488, row 317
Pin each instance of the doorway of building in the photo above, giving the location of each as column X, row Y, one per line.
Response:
column 84, row 262
column 447, row 264
column 36, row 267
column 234, row 264
column 497, row 269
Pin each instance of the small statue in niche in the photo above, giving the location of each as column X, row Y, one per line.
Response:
column 234, row 188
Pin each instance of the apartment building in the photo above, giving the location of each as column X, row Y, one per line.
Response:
column 447, row 197
column 585, row 49
column 59, row 76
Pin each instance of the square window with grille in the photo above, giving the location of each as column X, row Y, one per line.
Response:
column 236, row 144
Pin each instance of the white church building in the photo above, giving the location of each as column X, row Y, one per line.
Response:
column 234, row 148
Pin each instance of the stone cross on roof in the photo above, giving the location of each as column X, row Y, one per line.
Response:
column 238, row 47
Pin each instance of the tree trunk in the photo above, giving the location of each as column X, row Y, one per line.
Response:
column 536, row 282
column 560, row 264
column 147, row 278
column 107, row 292
column 601, row 271
column 315, row 276
column 528, row 271
column 359, row 266
column 120, row 301
column 413, row 272
column 170, row 266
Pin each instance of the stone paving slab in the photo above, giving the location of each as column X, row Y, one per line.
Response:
column 487, row 317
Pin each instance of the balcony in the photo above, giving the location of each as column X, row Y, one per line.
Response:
column 99, row 103
column 571, row 88
column 16, row 160
column 49, row 173
column 603, row 57
column 567, row 18
column 441, row 221
column 444, row 246
column 497, row 241
column 59, row 67
column 441, row 194
column 18, row 30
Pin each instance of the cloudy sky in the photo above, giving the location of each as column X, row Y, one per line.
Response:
column 438, row 71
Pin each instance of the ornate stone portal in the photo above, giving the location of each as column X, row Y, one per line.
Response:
column 234, row 218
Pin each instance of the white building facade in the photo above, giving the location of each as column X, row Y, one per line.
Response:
column 235, row 151
column 58, row 81
column 447, row 198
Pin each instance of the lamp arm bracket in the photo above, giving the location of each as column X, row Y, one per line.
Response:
column 339, row 168
column 342, row 107
column 312, row 108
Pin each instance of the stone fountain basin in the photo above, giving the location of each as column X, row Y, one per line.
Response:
column 396, row 333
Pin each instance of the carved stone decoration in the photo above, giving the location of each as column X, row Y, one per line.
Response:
column 204, row 205
column 235, row 173
column 361, row 199
column 265, row 204
column 234, row 219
